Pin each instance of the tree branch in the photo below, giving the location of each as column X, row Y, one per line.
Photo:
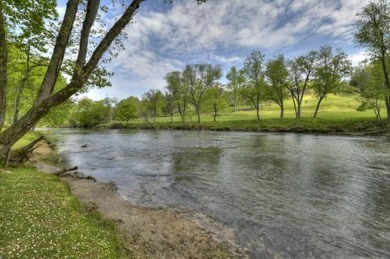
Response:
column 58, row 52
column 3, row 67
column 92, row 10
column 110, row 37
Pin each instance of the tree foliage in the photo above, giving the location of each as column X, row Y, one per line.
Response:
column 126, row 109
column 152, row 102
column 216, row 99
column 197, row 79
column 88, row 113
column 329, row 72
column 236, row 80
column 370, row 82
column 254, row 88
column 277, row 75
column 373, row 33
column 177, row 92
column 300, row 72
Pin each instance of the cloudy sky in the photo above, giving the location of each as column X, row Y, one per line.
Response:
column 166, row 36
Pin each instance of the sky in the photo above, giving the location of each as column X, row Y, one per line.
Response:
column 165, row 37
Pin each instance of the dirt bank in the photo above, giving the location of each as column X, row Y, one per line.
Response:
column 146, row 232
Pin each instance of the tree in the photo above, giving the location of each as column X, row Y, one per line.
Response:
column 153, row 100
column 373, row 33
column 168, row 107
column 329, row 72
column 300, row 71
column 25, row 25
column 215, row 98
column 110, row 103
column 277, row 74
column 236, row 81
column 126, row 109
column 197, row 79
column 177, row 91
column 86, row 62
column 88, row 113
column 254, row 88
column 369, row 80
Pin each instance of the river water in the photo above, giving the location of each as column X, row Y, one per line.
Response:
column 288, row 195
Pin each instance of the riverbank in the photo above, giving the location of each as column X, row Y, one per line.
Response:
column 350, row 126
column 145, row 232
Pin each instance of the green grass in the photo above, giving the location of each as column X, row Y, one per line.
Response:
column 337, row 114
column 40, row 218
column 27, row 139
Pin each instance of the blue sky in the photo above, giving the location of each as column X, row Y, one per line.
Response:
column 165, row 37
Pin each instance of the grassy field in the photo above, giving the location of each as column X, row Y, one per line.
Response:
column 337, row 114
column 40, row 218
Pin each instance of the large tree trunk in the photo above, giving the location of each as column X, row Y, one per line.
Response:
column 12, row 134
column 388, row 107
column 3, row 67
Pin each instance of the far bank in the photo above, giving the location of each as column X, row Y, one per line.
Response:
column 346, row 126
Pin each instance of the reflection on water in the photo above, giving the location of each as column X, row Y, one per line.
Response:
column 285, row 194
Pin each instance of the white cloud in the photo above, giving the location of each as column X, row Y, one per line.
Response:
column 61, row 11
column 358, row 57
column 224, row 31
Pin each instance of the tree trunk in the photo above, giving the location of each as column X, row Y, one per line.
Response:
column 318, row 106
column 182, row 111
column 12, row 134
column 258, row 106
column 258, row 112
column 19, row 98
column 235, row 102
column 386, row 74
column 215, row 112
column 3, row 68
column 198, row 113
column 299, row 109
column 282, row 111
column 295, row 107
column 21, row 154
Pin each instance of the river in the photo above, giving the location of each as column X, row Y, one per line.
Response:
column 288, row 195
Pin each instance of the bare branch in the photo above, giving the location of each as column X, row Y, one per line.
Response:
column 110, row 37
column 92, row 10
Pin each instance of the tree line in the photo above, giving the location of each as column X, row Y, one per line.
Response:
column 37, row 51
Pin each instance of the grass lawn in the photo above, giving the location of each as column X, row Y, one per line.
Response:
column 40, row 218
column 337, row 114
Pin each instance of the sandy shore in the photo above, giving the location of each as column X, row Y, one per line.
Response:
column 146, row 232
